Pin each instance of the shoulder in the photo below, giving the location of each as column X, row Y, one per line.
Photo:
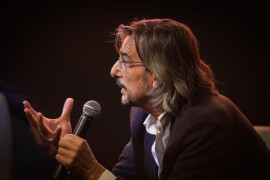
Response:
column 210, row 107
column 210, row 112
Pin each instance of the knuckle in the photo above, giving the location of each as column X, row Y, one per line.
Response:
column 59, row 150
column 60, row 143
column 82, row 142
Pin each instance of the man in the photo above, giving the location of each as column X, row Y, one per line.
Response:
column 181, row 127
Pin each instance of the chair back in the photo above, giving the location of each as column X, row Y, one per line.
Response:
column 264, row 132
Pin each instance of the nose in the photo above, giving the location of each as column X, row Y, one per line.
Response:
column 115, row 71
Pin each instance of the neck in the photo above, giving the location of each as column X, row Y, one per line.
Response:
column 156, row 112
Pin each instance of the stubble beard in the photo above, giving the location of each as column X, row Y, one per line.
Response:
column 139, row 101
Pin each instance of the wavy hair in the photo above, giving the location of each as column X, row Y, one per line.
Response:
column 170, row 51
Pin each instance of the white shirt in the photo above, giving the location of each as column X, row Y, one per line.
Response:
column 161, row 129
column 154, row 126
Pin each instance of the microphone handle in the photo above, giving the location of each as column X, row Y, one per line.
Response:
column 82, row 126
column 80, row 130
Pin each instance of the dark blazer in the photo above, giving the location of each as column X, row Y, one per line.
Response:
column 139, row 146
column 210, row 139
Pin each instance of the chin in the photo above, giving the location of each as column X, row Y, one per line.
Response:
column 124, row 100
column 127, row 101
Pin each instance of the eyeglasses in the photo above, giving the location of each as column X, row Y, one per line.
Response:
column 124, row 63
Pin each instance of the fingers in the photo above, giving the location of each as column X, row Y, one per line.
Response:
column 65, row 156
column 76, row 140
column 69, row 150
column 57, row 134
column 68, row 105
column 75, row 154
column 65, row 152
column 70, row 141
column 31, row 114
column 41, row 126
column 27, row 105
column 47, row 133
column 32, row 119
column 63, row 160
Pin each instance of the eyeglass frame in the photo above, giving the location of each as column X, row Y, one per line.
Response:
column 124, row 62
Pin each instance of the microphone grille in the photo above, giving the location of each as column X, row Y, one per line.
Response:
column 92, row 109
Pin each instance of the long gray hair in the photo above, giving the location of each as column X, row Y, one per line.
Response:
column 170, row 51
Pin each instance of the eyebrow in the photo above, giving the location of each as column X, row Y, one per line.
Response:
column 124, row 54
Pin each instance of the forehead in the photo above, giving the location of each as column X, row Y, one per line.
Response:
column 128, row 46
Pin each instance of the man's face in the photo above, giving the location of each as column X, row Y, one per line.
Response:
column 134, row 80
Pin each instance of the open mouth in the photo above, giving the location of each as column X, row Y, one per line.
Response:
column 121, row 85
column 123, row 91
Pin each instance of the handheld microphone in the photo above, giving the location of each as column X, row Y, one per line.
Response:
column 91, row 110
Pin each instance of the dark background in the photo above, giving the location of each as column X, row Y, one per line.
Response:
column 55, row 50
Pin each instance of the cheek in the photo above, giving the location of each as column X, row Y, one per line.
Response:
column 138, row 86
column 137, row 82
column 129, row 81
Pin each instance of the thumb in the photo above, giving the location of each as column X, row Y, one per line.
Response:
column 68, row 105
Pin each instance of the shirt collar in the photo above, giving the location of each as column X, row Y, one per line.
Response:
column 153, row 125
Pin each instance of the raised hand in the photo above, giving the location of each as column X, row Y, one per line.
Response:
column 48, row 131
